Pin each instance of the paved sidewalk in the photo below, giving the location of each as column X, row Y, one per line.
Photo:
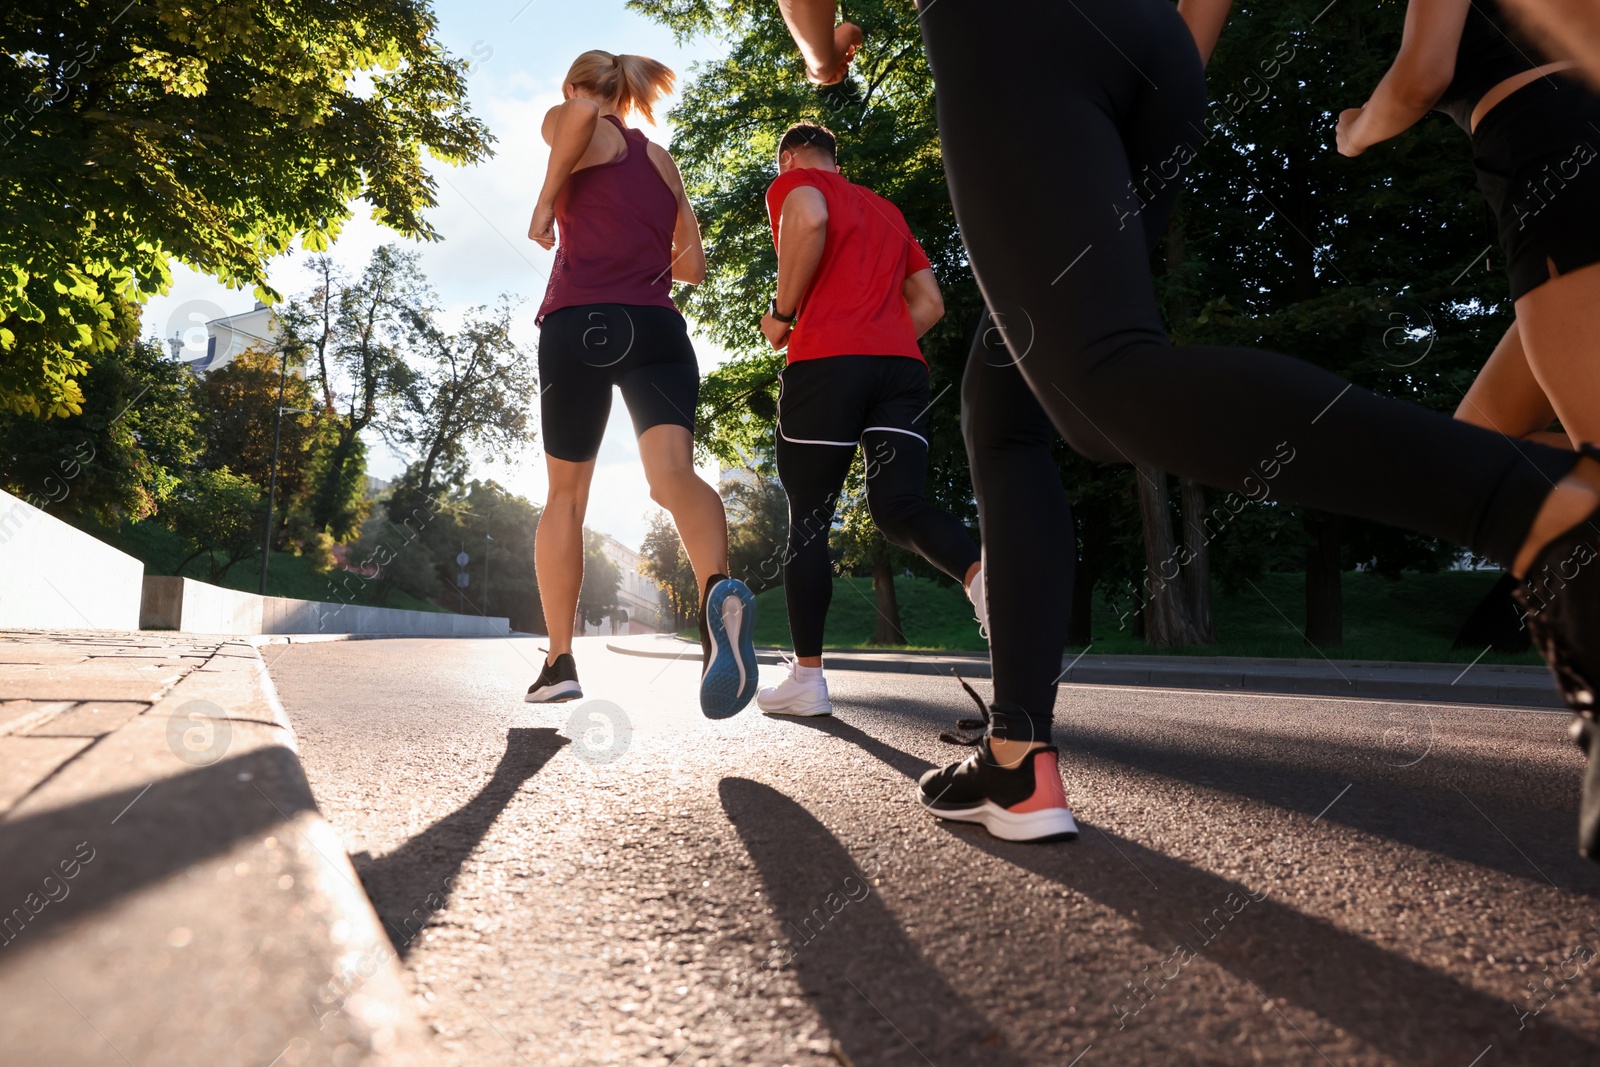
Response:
column 1447, row 683
column 169, row 892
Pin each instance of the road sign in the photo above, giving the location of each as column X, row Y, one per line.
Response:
column 462, row 580
column 461, row 559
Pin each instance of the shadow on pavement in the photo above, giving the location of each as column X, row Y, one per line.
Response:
column 1418, row 806
column 1505, row 817
column 879, row 998
column 913, row 767
column 410, row 885
column 119, row 843
column 1410, row 1011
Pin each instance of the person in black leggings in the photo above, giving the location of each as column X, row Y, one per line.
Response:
column 858, row 292
column 1057, row 123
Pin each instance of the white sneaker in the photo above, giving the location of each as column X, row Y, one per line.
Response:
column 979, row 595
column 795, row 695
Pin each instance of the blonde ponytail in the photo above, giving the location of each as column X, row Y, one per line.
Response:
column 630, row 83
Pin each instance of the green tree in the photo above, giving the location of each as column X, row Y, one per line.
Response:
column 215, row 137
column 758, row 528
column 122, row 456
column 663, row 561
column 238, row 404
column 355, row 339
column 1360, row 265
column 597, row 598
column 474, row 389
column 216, row 513
column 499, row 529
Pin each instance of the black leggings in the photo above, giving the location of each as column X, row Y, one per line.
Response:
column 826, row 406
column 1049, row 114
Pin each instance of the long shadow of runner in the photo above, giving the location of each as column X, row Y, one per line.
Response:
column 1411, row 1012
column 880, row 999
column 1417, row 805
column 413, row 883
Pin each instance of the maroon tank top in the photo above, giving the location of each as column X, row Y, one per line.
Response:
column 615, row 223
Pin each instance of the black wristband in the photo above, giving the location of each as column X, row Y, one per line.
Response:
column 772, row 310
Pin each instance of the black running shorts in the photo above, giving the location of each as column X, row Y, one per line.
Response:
column 834, row 400
column 1537, row 153
column 584, row 351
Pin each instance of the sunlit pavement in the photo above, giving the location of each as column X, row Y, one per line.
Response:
column 1261, row 879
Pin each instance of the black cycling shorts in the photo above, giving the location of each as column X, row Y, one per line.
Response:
column 836, row 399
column 584, row 351
column 1537, row 154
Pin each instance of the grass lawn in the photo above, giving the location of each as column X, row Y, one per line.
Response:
column 287, row 575
column 1413, row 619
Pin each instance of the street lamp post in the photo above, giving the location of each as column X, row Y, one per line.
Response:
column 272, row 485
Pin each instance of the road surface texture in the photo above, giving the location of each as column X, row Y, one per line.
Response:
column 1260, row 879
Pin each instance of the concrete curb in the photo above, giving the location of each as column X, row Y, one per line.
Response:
column 187, row 903
column 1446, row 683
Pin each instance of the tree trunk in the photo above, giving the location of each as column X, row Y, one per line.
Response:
column 1324, row 596
column 1166, row 623
column 1197, row 572
column 1080, row 630
column 886, row 629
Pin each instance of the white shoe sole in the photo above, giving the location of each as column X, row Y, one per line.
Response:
column 1050, row 824
column 555, row 694
column 810, row 711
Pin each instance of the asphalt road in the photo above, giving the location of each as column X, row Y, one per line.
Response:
column 1261, row 879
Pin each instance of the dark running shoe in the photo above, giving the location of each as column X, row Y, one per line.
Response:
column 1021, row 803
column 557, row 682
column 730, row 675
column 1026, row 803
column 1560, row 598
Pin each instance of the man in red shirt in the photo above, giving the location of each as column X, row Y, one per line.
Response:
column 855, row 292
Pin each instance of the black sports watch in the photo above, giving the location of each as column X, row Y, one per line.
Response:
column 772, row 310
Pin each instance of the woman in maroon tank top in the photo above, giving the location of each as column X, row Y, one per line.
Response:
column 626, row 233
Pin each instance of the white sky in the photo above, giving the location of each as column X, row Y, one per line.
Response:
column 521, row 50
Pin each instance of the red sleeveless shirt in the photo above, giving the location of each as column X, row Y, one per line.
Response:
column 615, row 223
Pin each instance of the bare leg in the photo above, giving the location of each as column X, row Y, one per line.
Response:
column 668, row 455
column 1507, row 398
column 1562, row 337
column 558, row 549
column 1561, row 333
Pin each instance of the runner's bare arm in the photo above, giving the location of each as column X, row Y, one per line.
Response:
column 1205, row 19
column 569, row 131
column 924, row 299
column 688, row 250
column 802, row 232
column 1420, row 74
column 826, row 48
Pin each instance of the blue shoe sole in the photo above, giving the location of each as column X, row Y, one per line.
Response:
column 731, row 680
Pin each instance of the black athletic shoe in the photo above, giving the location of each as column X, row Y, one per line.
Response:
column 557, row 682
column 1020, row 803
column 1023, row 803
column 1560, row 595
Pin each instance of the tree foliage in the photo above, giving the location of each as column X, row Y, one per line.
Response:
column 123, row 455
column 217, row 513
column 216, row 135
column 663, row 560
column 1358, row 265
column 469, row 389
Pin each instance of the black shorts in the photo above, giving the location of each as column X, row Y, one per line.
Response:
column 1538, row 158
column 585, row 350
column 836, row 399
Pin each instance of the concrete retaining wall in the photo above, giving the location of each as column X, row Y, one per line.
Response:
column 55, row 576
column 197, row 607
